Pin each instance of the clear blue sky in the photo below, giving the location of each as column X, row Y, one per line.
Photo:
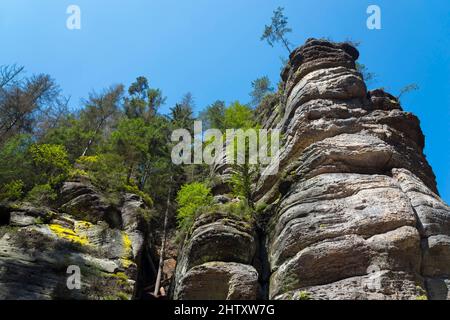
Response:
column 212, row 49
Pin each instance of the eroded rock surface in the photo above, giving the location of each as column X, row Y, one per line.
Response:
column 353, row 209
column 357, row 214
column 216, row 260
column 38, row 245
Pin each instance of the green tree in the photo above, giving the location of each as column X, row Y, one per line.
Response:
column 238, row 116
column 72, row 133
column 106, row 171
column 182, row 115
column 213, row 116
column 101, row 113
column 51, row 163
column 24, row 101
column 15, row 163
column 130, row 140
column 242, row 180
column 260, row 88
column 143, row 101
column 155, row 171
column 190, row 198
column 277, row 30
column 11, row 191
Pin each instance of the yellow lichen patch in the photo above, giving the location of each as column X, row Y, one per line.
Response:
column 126, row 245
column 68, row 234
column 120, row 275
column 126, row 263
column 82, row 226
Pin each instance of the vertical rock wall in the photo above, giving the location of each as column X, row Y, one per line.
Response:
column 354, row 211
column 357, row 213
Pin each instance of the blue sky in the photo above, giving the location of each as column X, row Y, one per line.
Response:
column 212, row 49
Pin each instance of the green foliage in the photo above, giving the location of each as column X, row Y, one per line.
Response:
column 105, row 171
column 303, row 295
column 190, row 198
column 73, row 134
column 50, row 157
column 12, row 190
column 235, row 209
column 15, row 162
column 213, row 116
column 277, row 30
column 241, row 180
column 260, row 88
column 131, row 141
column 51, row 161
column 148, row 214
column 182, row 114
column 144, row 101
column 261, row 207
column 24, row 165
column 41, row 194
column 239, row 116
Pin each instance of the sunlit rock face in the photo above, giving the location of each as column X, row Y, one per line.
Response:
column 352, row 213
column 216, row 260
column 357, row 214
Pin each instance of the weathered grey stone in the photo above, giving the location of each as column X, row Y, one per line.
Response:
column 378, row 285
column 354, row 192
column 83, row 201
column 438, row 288
column 218, row 281
column 38, row 246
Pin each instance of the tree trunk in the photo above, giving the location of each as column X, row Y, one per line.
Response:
column 163, row 247
column 286, row 45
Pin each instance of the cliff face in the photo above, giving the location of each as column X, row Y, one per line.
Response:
column 107, row 242
column 353, row 212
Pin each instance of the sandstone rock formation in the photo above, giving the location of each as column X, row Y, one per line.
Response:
column 106, row 242
column 353, row 211
column 216, row 260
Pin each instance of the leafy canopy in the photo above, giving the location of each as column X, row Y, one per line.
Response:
column 239, row 116
column 260, row 88
column 190, row 198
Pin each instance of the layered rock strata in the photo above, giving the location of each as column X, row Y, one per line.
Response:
column 353, row 210
column 43, row 250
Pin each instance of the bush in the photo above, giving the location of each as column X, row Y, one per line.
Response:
column 42, row 194
column 190, row 198
column 304, row 295
column 51, row 162
column 15, row 161
column 12, row 191
column 51, row 157
column 105, row 171
column 77, row 173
